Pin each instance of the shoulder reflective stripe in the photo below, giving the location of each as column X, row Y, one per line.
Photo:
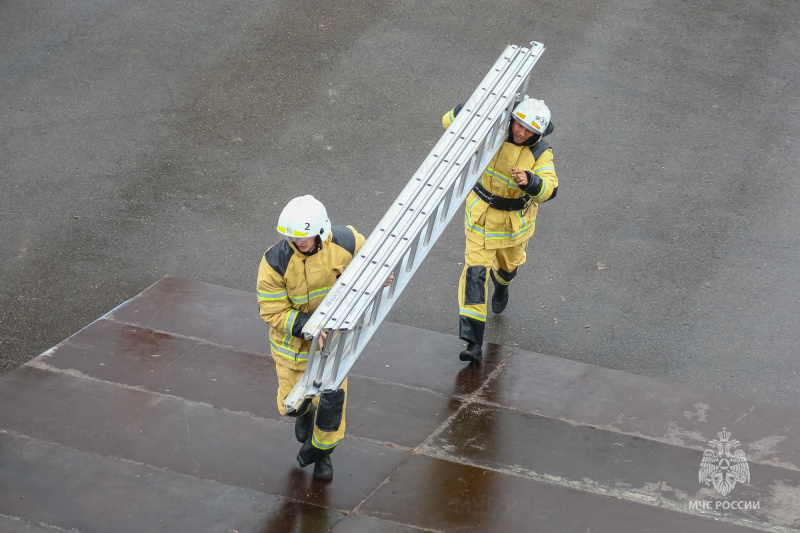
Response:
column 344, row 237
column 271, row 295
column 472, row 314
column 538, row 170
column 278, row 257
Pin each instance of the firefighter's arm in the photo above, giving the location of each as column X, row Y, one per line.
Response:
column 450, row 116
column 542, row 180
column 274, row 304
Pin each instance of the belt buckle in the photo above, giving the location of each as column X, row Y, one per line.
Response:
column 528, row 205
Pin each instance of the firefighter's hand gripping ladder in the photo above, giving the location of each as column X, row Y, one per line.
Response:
column 358, row 302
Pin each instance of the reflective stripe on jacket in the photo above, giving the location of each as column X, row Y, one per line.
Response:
column 291, row 285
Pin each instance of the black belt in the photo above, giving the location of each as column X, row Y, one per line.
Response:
column 498, row 202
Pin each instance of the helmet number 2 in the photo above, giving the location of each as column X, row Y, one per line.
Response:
column 308, row 226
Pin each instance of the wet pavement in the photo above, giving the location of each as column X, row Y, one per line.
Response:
column 161, row 416
column 151, row 138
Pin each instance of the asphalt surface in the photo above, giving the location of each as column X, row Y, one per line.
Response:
column 139, row 140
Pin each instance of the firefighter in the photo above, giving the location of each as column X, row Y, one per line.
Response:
column 500, row 217
column 293, row 279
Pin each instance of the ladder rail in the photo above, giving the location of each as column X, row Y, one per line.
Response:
column 406, row 236
column 409, row 196
column 355, row 307
column 407, row 218
column 378, row 310
column 495, row 72
column 435, row 208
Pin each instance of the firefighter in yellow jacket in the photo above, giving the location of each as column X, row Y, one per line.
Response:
column 500, row 217
column 293, row 279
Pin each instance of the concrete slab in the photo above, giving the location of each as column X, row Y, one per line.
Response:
column 183, row 436
column 637, row 405
column 447, row 496
column 425, row 360
column 48, row 487
column 601, row 461
column 523, row 442
column 196, row 370
column 197, row 310
column 366, row 524
column 169, row 364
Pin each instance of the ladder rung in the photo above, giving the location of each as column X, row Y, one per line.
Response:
column 403, row 219
column 357, row 304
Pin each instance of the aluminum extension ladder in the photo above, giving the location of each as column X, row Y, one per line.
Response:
column 357, row 304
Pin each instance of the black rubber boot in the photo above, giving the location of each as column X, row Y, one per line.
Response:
column 472, row 353
column 309, row 454
column 500, row 296
column 304, row 424
column 323, row 469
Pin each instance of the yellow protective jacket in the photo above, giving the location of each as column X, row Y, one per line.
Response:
column 493, row 228
column 291, row 285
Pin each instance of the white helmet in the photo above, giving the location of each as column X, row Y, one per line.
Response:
column 304, row 216
column 533, row 114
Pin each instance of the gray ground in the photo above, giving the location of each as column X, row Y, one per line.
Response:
column 141, row 139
